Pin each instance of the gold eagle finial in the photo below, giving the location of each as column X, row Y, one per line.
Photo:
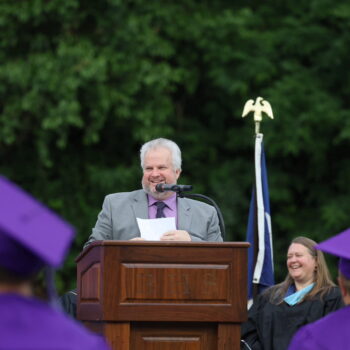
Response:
column 258, row 107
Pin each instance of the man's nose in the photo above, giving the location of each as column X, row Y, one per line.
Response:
column 155, row 172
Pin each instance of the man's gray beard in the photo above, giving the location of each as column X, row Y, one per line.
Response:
column 155, row 194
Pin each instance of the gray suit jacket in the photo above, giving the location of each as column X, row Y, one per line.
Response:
column 117, row 220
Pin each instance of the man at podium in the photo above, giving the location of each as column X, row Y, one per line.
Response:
column 161, row 165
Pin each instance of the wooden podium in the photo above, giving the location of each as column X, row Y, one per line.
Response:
column 164, row 295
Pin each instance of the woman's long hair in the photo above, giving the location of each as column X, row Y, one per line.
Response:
column 322, row 278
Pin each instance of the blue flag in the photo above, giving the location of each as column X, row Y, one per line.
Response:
column 259, row 233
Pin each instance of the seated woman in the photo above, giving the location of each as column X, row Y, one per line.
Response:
column 306, row 295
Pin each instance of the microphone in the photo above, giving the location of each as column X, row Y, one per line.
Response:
column 173, row 187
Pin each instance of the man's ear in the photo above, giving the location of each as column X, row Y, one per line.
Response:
column 177, row 173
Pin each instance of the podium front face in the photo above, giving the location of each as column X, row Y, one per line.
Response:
column 157, row 295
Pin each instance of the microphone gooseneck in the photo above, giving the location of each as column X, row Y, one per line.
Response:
column 180, row 189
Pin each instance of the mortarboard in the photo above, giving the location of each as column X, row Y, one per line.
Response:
column 31, row 235
column 339, row 245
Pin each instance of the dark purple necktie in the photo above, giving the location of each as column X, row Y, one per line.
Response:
column 160, row 209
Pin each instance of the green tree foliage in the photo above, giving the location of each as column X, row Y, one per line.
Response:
column 84, row 83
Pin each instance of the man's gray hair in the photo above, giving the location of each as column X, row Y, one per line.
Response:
column 162, row 143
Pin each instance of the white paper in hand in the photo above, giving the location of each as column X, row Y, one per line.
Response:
column 152, row 229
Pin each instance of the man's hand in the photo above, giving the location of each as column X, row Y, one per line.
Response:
column 137, row 239
column 176, row 235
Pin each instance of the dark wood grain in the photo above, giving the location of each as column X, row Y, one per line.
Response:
column 160, row 289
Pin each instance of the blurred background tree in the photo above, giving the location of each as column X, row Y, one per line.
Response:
column 84, row 83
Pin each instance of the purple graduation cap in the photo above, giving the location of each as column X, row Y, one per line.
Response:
column 339, row 245
column 31, row 235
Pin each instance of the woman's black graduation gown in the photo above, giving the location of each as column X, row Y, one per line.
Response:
column 271, row 327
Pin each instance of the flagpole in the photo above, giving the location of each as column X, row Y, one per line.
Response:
column 259, row 234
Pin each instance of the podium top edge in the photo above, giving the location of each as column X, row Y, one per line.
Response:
column 163, row 244
column 171, row 243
